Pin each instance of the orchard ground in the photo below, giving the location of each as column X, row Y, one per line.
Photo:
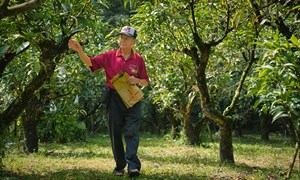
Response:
column 162, row 158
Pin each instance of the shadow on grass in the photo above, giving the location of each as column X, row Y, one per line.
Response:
column 195, row 159
column 270, row 173
column 88, row 174
column 242, row 169
column 91, row 174
column 69, row 154
column 254, row 140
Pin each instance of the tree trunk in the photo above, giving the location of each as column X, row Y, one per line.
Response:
column 291, row 129
column 206, row 105
column 265, row 126
column 187, row 124
column 226, row 148
column 29, row 118
column 30, row 133
column 174, row 123
column 293, row 160
column 238, row 132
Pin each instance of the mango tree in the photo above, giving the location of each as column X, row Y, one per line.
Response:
column 196, row 29
column 47, row 31
column 277, row 73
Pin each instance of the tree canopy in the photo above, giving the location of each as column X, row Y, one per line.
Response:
column 211, row 64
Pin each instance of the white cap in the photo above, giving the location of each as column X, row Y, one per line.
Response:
column 129, row 31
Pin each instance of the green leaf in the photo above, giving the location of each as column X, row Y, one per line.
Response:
column 276, row 35
column 293, row 75
column 74, row 31
column 22, row 47
column 267, row 67
column 220, row 55
column 289, row 64
column 37, row 67
column 296, row 7
column 280, row 114
column 4, row 49
column 252, row 92
column 263, row 21
column 108, row 35
column 295, row 41
column 59, row 38
column 86, row 22
column 65, row 7
column 257, row 102
column 261, row 89
column 263, row 73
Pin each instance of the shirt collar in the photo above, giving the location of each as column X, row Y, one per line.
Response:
column 132, row 55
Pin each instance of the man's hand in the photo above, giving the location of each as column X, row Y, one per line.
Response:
column 74, row 45
column 133, row 80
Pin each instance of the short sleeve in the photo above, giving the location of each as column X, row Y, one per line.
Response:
column 98, row 62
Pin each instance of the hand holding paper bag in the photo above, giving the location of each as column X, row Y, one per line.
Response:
column 130, row 94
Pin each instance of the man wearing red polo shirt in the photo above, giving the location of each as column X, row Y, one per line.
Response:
column 121, row 119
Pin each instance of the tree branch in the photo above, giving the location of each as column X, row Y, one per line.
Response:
column 250, row 60
column 8, row 57
column 227, row 29
column 17, row 9
column 198, row 40
column 79, row 13
column 279, row 21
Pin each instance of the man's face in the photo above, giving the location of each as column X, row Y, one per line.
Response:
column 126, row 42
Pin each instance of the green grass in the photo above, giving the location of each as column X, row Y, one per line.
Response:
column 162, row 158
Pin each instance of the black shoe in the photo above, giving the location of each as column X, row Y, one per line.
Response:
column 118, row 172
column 134, row 173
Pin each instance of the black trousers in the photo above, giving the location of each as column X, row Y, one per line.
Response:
column 124, row 121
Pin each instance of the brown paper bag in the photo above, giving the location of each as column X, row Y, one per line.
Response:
column 130, row 94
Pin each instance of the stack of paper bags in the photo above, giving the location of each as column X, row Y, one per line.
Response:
column 130, row 94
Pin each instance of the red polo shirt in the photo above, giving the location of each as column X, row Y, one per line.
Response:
column 114, row 63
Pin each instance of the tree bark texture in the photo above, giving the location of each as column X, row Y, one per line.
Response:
column 225, row 125
column 265, row 126
column 226, row 148
column 29, row 127
column 291, row 129
column 187, row 124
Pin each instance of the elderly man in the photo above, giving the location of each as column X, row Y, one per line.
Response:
column 120, row 118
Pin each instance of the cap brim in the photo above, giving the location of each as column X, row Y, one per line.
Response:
column 127, row 34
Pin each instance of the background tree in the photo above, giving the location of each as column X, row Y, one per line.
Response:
column 48, row 37
column 44, row 79
column 176, row 27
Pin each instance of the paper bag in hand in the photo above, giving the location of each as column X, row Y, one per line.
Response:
column 130, row 94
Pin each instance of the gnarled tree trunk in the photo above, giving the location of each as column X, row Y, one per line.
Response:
column 226, row 148
column 225, row 125
column 192, row 136
column 29, row 118
column 30, row 132
column 50, row 50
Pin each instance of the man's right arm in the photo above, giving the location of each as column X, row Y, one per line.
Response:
column 74, row 45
